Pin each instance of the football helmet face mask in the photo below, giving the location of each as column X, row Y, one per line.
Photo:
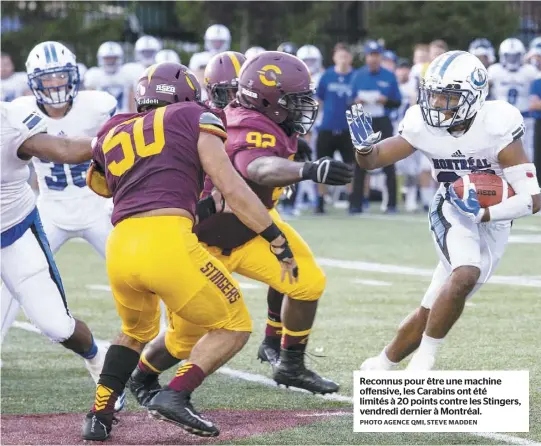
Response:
column 53, row 75
column 164, row 84
column 512, row 54
column 110, row 57
column 222, row 77
column 217, row 39
column 146, row 49
column 453, row 89
column 278, row 85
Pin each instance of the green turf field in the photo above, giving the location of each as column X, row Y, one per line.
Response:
column 358, row 314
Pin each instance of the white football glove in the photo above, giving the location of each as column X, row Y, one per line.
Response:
column 360, row 129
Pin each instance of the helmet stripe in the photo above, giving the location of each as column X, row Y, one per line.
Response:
column 189, row 81
column 47, row 54
column 53, row 53
column 151, row 70
column 449, row 61
column 235, row 62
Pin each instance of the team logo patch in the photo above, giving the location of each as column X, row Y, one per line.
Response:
column 478, row 79
column 268, row 75
column 164, row 88
column 252, row 94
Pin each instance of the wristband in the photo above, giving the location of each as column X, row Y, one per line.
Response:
column 271, row 233
column 205, row 208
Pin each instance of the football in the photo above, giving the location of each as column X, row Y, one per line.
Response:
column 491, row 189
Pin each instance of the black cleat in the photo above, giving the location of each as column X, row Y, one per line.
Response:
column 269, row 351
column 143, row 386
column 175, row 407
column 97, row 426
column 291, row 372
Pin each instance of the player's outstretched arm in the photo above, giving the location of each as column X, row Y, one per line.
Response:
column 57, row 149
column 521, row 174
column 274, row 171
column 370, row 152
column 244, row 203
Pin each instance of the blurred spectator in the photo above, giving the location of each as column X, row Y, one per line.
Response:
column 13, row 84
column 388, row 60
column 535, row 109
column 420, row 54
column 377, row 89
column 534, row 54
column 334, row 94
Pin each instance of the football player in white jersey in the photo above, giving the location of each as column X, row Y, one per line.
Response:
column 28, row 268
column 459, row 133
column 145, row 50
column 109, row 77
column 12, row 85
column 510, row 81
column 67, row 206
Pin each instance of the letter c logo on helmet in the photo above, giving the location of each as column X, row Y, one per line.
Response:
column 267, row 75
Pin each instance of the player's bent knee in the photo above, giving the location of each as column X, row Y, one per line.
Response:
column 177, row 347
column 141, row 335
column 465, row 278
column 59, row 329
column 311, row 287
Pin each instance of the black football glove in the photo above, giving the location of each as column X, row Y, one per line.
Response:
column 328, row 171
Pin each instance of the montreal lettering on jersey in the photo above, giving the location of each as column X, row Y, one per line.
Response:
column 461, row 164
column 222, row 283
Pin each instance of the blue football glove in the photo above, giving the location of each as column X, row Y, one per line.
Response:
column 360, row 129
column 468, row 207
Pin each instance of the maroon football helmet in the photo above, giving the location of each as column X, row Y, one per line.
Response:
column 166, row 83
column 222, row 77
column 279, row 86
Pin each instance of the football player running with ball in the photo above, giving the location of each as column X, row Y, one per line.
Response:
column 460, row 133
column 153, row 164
column 274, row 106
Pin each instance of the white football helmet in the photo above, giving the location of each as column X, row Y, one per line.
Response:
column 253, row 52
column 146, row 49
column 110, row 57
column 217, row 39
column 512, row 54
column 53, row 75
column 312, row 57
column 167, row 56
column 453, row 90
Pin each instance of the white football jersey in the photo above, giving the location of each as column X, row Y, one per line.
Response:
column 13, row 87
column 512, row 86
column 495, row 126
column 64, row 195
column 116, row 84
column 17, row 197
column 132, row 71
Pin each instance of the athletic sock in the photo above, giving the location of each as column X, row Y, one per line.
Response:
column 188, row 378
column 295, row 340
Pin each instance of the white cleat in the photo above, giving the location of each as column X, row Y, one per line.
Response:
column 421, row 362
column 373, row 363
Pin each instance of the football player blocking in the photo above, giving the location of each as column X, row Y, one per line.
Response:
column 261, row 141
column 459, row 133
column 28, row 268
column 152, row 250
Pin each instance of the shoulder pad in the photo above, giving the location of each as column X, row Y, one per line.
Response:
column 208, row 118
column 100, row 102
column 503, row 119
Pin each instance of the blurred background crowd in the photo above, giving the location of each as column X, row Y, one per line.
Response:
column 372, row 53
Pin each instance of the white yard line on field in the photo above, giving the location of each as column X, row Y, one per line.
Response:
column 385, row 268
column 371, row 282
column 263, row 380
column 525, row 239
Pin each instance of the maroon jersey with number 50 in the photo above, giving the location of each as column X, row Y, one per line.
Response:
column 151, row 159
column 251, row 135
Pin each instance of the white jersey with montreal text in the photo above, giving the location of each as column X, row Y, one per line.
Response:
column 13, row 87
column 496, row 125
column 512, row 86
column 17, row 197
column 116, row 84
column 64, row 196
